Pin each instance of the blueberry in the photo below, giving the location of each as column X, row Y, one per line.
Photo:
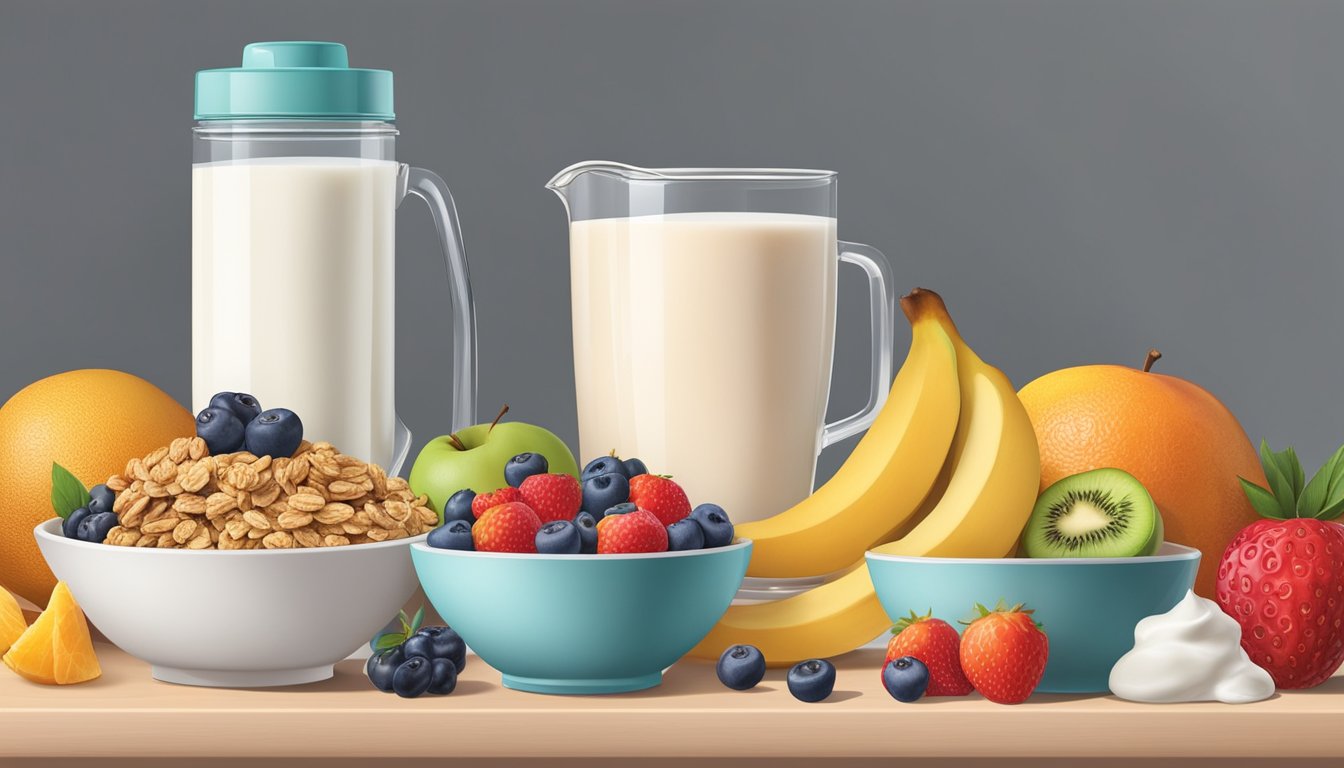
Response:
column 70, row 526
column 458, row 506
column 444, row 643
column 382, row 665
column 741, row 667
column 276, row 432
column 685, row 534
column 94, row 528
column 634, row 468
column 587, row 525
column 523, row 466
column 905, row 678
column 413, row 677
column 623, row 508
column 605, row 491
column 812, row 680
column 101, row 498
column 559, row 537
column 443, row 677
column 220, row 429
column 454, row 534
column 601, row 466
column 240, row 404
column 717, row 527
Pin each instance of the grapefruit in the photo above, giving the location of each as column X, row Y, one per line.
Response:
column 57, row 648
column 91, row 422
column 1184, row 445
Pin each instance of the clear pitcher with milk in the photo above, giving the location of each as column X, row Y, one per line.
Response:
column 295, row 185
column 703, row 308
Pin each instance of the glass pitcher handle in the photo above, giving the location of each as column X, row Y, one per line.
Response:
column 882, row 299
column 427, row 186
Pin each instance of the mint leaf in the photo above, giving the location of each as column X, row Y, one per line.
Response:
column 1279, row 483
column 67, row 493
column 1263, row 501
column 417, row 621
column 390, row 640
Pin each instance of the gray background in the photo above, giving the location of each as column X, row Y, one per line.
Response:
column 1080, row 179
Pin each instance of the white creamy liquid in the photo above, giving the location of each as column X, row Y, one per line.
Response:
column 703, row 345
column 292, row 292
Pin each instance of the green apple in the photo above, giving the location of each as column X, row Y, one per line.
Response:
column 475, row 457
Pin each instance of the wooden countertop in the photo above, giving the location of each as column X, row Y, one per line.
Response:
column 127, row 714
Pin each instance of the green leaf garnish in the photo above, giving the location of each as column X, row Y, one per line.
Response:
column 1279, row 484
column 67, row 493
column 389, row 640
column 1262, row 500
column 1287, row 496
column 417, row 621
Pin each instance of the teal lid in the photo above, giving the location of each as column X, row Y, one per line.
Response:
column 294, row 80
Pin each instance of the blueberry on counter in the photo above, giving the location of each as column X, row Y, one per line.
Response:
column 220, row 429
column 812, row 680
column 458, row 506
column 605, row 491
column 559, row 537
column 587, row 525
column 523, row 466
column 741, row 667
column 602, row 465
column 382, row 665
column 624, row 508
column 242, row 405
column 276, row 433
column 438, row 643
column 413, row 677
column 454, row 534
column 717, row 527
column 685, row 534
column 70, row 526
column 442, row 678
column 634, row 468
column 101, row 498
column 906, row 678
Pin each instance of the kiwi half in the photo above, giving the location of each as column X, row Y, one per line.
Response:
column 1101, row 513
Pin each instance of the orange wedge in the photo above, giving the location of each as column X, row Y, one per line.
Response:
column 12, row 623
column 56, row 649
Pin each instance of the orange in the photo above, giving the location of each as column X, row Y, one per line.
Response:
column 56, row 649
column 12, row 622
column 1184, row 445
column 91, row 422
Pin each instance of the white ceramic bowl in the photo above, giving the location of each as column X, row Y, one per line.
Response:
column 234, row 618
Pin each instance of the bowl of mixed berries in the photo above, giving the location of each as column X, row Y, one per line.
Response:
column 585, row 585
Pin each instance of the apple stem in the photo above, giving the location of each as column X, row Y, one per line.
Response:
column 457, row 442
column 1153, row 357
column 502, row 411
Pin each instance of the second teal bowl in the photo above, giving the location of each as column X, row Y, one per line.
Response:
column 1087, row 606
column 581, row 624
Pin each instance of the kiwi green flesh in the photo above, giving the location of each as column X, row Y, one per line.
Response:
column 1101, row 513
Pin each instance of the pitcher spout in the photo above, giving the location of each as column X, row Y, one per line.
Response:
column 562, row 180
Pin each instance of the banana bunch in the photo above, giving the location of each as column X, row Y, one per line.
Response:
column 950, row 468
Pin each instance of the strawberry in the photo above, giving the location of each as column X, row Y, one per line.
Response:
column 553, row 497
column 659, row 495
column 485, row 501
column 1003, row 653
column 1282, row 578
column 637, row 531
column 937, row 644
column 508, row 527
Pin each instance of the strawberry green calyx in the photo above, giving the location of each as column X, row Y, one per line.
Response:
column 909, row 621
column 1289, row 494
column 981, row 612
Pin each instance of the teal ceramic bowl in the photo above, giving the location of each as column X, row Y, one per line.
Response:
column 581, row 624
column 1087, row 606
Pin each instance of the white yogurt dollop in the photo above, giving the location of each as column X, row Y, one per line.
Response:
column 1190, row 653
